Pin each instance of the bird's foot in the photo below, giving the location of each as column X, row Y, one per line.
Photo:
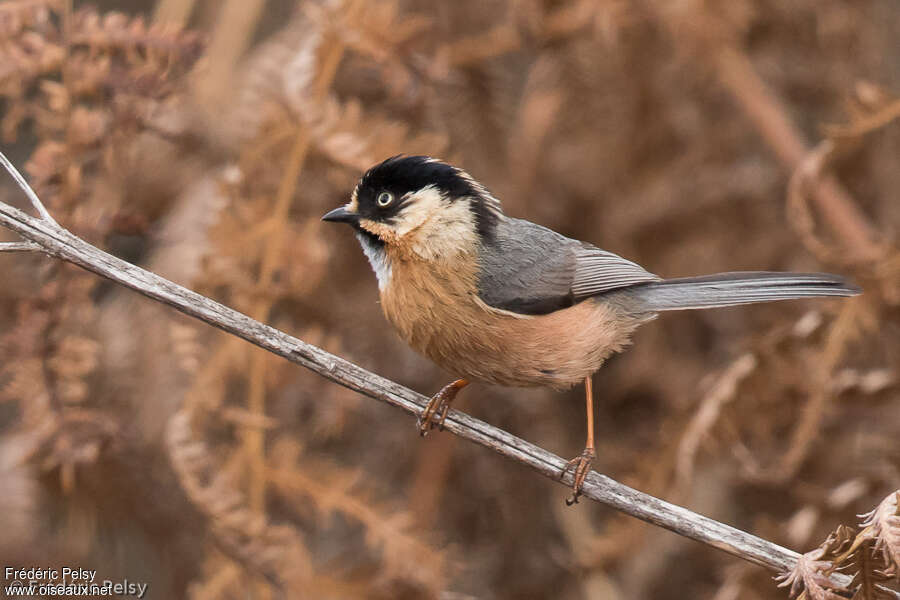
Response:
column 581, row 466
column 436, row 410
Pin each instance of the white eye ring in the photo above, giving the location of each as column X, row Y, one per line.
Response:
column 384, row 199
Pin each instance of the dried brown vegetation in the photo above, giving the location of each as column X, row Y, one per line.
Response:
column 870, row 555
column 141, row 444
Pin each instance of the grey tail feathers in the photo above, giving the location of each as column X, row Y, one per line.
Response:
column 730, row 289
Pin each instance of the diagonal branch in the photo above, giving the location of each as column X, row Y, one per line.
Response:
column 56, row 241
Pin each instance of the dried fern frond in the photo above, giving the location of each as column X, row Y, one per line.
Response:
column 157, row 46
column 809, row 580
column 350, row 136
column 376, row 29
column 17, row 15
column 275, row 552
column 869, row 573
column 869, row 555
column 883, row 526
column 338, row 491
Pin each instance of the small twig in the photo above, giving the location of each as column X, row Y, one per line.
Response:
column 18, row 247
column 721, row 393
column 867, row 124
column 62, row 244
column 32, row 197
column 799, row 215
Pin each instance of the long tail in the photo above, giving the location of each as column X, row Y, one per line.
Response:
column 730, row 289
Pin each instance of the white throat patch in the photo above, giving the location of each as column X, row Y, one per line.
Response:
column 379, row 260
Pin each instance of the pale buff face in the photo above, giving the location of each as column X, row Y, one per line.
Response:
column 428, row 226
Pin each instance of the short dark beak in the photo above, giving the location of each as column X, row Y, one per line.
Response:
column 341, row 215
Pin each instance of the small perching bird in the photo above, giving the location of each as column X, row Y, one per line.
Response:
column 504, row 301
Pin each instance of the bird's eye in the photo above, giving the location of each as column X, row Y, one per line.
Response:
column 384, row 199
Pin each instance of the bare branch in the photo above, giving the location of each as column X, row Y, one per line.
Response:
column 64, row 245
column 18, row 247
column 32, row 197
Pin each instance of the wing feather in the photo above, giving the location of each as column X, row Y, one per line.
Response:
column 532, row 270
column 598, row 271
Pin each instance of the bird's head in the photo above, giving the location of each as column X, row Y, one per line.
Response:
column 420, row 206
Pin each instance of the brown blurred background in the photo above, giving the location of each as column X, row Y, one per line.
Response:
column 204, row 139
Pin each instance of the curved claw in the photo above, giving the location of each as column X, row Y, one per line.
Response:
column 439, row 406
column 582, row 466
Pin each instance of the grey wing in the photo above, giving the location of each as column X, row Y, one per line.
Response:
column 598, row 271
column 526, row 268
column 529, row 269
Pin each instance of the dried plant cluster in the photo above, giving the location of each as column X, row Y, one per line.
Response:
column 140, row 443
column 872, row 556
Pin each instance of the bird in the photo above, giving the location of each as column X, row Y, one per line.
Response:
column 504, row 301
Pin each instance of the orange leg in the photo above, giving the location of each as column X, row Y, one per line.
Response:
column 439, row 406
column 582, row 463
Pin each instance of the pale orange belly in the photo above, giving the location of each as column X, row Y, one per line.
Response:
column 473, row 341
